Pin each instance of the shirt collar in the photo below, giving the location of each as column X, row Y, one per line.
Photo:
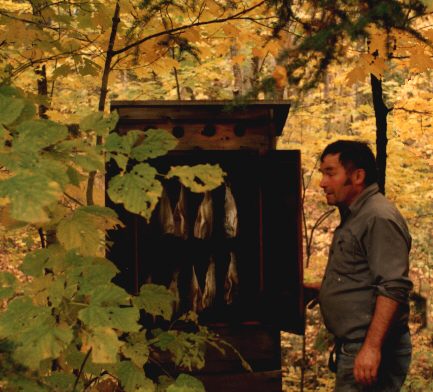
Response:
column 359, row 202
column 362, row 198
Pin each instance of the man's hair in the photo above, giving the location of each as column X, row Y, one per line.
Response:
column 354, row 155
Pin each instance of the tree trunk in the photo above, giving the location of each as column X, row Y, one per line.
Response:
column 104, row 92
column 42, row 90
column 237, row 73
column 380, row 111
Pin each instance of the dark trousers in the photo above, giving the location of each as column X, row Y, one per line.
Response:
column 396, row 357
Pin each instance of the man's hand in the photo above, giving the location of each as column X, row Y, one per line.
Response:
column 311, row 294
column 367, row 365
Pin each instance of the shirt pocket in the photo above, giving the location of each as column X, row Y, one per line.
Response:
column 348, row 256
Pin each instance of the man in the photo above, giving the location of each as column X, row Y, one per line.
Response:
column 364, row 292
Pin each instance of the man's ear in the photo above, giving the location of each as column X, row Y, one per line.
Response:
column 358, row 176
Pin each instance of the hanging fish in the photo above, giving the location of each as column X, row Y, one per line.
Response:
column 204, row 223
column 196, row 294
column 166, row 214
column 231, row 283
column 179, row 216
column 174, row 288
column 231, row 226
column 210, row 285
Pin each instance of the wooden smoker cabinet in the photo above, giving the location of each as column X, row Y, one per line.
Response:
column 266, row 185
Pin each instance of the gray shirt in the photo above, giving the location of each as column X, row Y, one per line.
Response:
column 369, row 256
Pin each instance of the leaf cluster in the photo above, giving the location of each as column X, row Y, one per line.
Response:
column 68, row 327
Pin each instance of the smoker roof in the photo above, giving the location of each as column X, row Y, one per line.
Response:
column 272, row 114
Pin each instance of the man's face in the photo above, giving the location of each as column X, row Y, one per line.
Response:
column 336, row 182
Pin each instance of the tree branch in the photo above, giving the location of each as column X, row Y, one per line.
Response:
column 185, row 27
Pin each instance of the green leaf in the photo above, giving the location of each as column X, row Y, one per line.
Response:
column 156, row 300
column 123, row 144
column 42, row 342
column 39, row 134
column 109, row 295
column 187, row 349
column 89, row 272
column 98, row 123
column 199, row 178
column 138, row 190
column 156, row 143
column 10, row 109
column 20, row 384
column 85, row 229
column 133, row 378
column 75, row 359
column 20, row 315
column 61, row 381
column 137, row 349
column 74, row 176
column 7, row 284
column 62, row 70
column 28, row 195
column 90, row 161
column 104, row 344
column 186, row 383
column 123, row 319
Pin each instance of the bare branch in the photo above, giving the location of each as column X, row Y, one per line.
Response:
column 185, row 27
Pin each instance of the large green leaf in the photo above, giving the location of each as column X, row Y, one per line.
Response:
column 28, row 195
column 98, row 123
column 39, row 134
column 198, row 178
column 22, row 314
column 137, row 348
column 104, row 344
column 42, row 342
column 123, row 144
column 75, row 359
column 187, row 349
column 109, row 295
column 10, row 109
column 186, row 383
column 156, row 300
column 7, row 284
column 157, row 142
column 61, row 381
column 138, row 190
column 119, row 147
column 85, row 229
column 123, row 319
column 133, row 378
column 20, row 384
column 89, row 272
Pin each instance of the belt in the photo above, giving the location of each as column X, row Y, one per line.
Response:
column 393, row 333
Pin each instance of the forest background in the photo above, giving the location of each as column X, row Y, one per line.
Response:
column 346, row 67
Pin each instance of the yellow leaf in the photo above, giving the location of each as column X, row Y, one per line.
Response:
column 378, row 67
column 357, row 74
column 259, row 52
column 170, row 62
column 280, row 76
column 239, row 59
column 273, row 47
column 231, row 30
column 377, row 41
column 214, row 8
column 419, row 60
column 192, row 35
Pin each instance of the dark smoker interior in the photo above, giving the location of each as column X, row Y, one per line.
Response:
column 265, row 248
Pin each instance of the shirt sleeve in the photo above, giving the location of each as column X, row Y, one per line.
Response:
column 388, row 245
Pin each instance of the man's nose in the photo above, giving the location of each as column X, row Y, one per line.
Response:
column 322, row 183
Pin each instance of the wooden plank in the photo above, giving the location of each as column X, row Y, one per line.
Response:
column 223, row 139
column 269, row 381
column 258, row 344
